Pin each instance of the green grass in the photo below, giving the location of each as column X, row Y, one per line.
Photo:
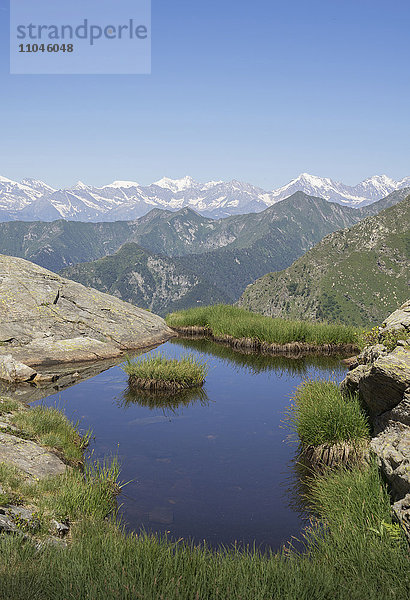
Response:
column 239, row 323
column 387, row 338
column 156, row 370
column 321, row 414
column 72, row 496
column 355, row 552
column 51, row 428
column 8, row 405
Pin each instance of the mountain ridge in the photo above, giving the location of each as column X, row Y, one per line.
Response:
column 355, row 275
column 32, row 199
column 59, row 244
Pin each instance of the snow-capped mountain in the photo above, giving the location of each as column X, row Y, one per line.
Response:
column 127, row 200
column 368, row 191
column 16, row 196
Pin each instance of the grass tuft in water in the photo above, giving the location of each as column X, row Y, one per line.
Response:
column 155, row 371
column 321, row 414
column 239, row 323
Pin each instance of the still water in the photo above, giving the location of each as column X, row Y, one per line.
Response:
column 218, row 465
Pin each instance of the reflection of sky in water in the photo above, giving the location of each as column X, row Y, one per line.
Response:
column 214, row 465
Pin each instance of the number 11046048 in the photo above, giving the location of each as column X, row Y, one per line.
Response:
column 46, row 48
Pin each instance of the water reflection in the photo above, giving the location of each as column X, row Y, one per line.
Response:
column 166, row 401
column 259, row 363
column 299, row 480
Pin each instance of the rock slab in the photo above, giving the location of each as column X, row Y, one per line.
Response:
column 29, row 457
column 46, row 319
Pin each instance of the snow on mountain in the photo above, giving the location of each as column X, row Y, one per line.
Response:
column 126, row 200
column 176, row 185
column 15, row 196
column 366, row 192
column 122, row 184
column 38, row 185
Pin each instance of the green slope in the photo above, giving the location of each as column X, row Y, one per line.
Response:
column 355, row 276
column 390, row 200
column 147, row 280
column 61, row 243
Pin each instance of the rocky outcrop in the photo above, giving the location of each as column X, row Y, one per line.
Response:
column 400, row 319
column 26, row 455
column 48, row 320
column 13, row 371
column 382, row 379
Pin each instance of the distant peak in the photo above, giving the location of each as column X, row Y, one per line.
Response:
column 36, row 183
column 123, row 184
column 6, row 180
column 313, row 179
column 176, row 185
column 80, row 186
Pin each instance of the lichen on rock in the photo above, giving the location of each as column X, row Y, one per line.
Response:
column 46, row 319
column 382, row 379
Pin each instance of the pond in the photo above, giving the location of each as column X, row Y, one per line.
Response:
column 218, row 465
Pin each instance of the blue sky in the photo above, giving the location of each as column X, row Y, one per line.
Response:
column 258, row 91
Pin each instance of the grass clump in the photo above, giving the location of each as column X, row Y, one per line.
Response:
column 239, row 323
column 51, row 428
column 71, row 497
column 156, row 371
column 9, row 405
column 77, row 495
column 321, row 414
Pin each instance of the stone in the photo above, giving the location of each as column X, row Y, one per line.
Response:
column 7, row 525
column 383, row 384
column 382, row 387
column 60, row 528
column 17, row 511
column 12, row 370
column 401, row 413
column 372, row 353
column 29, row 457
column 400, row 319
column 350, row 383
column 401, row 510
column 46, row 319
column 392, row 449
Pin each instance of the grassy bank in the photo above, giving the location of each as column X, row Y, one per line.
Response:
column 353, row 552
column 224, row 320
column 83, row 491
column 47, row 426
column 156, row 371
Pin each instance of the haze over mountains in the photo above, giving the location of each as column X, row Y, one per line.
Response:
column 32, row 200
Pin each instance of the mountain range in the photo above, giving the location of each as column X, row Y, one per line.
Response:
column 356, row 275
column 292, row 226
column 179, row 249
column 33, row 200
column 197, row 258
